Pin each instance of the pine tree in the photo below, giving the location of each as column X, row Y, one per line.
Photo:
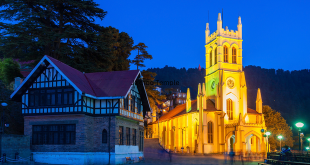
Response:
column 141, row 56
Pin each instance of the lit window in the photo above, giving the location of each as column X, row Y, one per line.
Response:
column 210, row 132
column 234, row 55
column 230, row 109
column 225, row 54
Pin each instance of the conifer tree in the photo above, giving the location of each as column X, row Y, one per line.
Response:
column 141, row 56
column 63, row 29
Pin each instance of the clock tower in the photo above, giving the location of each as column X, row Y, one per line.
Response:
column 224, row 81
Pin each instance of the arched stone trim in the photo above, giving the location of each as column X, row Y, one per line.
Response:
column 254, row 133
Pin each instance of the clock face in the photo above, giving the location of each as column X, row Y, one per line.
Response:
column 230, row 83
column 213, row 85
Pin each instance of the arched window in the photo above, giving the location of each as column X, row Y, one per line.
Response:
column 104, row 136
column 215, row 56
column 210, row 132
column 210, row 58
column 225, row 54
column 230, row 109
column 234, row 55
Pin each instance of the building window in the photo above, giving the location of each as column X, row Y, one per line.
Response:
column 225, row 54
column 53, row 134
column 252, row 140
column 127, row 136
column 126, row 103
column 133, row 103
column 230, row 109
column 234, row 55
column 134, row 137
column 121, row 142
column 51, row 97
column 210, row 58
column 215, row 56
column 104, row 136
column 139, row 105
column 210, row 132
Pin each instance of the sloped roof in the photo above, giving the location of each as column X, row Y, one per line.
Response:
column 252, row 111
column 100, row 84
column 181, row 110
column 115, row 83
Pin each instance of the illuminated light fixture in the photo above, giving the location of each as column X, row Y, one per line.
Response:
column 299, row 124
column 308, row 139
column 280, row 137
column 268, row 133
column 307, row 148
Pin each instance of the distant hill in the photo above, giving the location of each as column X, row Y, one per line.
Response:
column 285, row 91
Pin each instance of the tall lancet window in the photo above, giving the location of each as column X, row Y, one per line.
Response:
column 211, row 58
column 210, row 132
column 215, row 56
column 230, row 109
column 234, row 55
column 225, row 54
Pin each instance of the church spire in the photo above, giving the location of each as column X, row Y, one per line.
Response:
column 259, row 102
column 188, row 101
column 219, row 24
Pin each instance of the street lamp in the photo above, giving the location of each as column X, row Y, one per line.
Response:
column 299, row 125
column 280, row 137
column 268, row 133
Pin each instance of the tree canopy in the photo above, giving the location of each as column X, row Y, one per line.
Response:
column 9, row 69
column 154, row 96
column 277, row 125
column 141, row 56
column 64, row 30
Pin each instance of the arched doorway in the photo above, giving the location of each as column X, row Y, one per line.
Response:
column 231, row 141
column 252, row 143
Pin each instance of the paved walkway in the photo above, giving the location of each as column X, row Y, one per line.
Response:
column 208, row 160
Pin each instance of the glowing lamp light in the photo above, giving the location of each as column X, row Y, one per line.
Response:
column 308, row 139
column 268, row 133
column 307, row 148
column 299, row 124
column 280, row 137
column 4, row 104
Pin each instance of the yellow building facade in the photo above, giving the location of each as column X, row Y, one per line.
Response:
column 218, row 120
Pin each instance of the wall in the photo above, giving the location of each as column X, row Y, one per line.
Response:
column 88, row 132
column 10, row 144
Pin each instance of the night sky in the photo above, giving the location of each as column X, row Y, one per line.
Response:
column 275, row 33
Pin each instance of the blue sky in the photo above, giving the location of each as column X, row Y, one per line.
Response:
column 275, row 33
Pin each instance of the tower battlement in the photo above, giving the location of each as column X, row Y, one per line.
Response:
column 226, row 33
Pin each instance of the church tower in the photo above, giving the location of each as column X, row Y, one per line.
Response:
column 224, row 80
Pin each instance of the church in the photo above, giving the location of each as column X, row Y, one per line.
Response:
column 218, row 120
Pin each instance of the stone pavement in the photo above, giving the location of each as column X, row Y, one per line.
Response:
column 208, row 160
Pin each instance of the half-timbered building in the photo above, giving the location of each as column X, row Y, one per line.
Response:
column 82, row 118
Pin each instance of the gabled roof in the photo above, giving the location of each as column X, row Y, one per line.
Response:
column 181, row 109
column 100, row 85
column 252, row 111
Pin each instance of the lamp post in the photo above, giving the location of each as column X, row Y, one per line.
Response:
column 268, row 133
column 299, row 125
column 280, row 137
column 309, row 141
